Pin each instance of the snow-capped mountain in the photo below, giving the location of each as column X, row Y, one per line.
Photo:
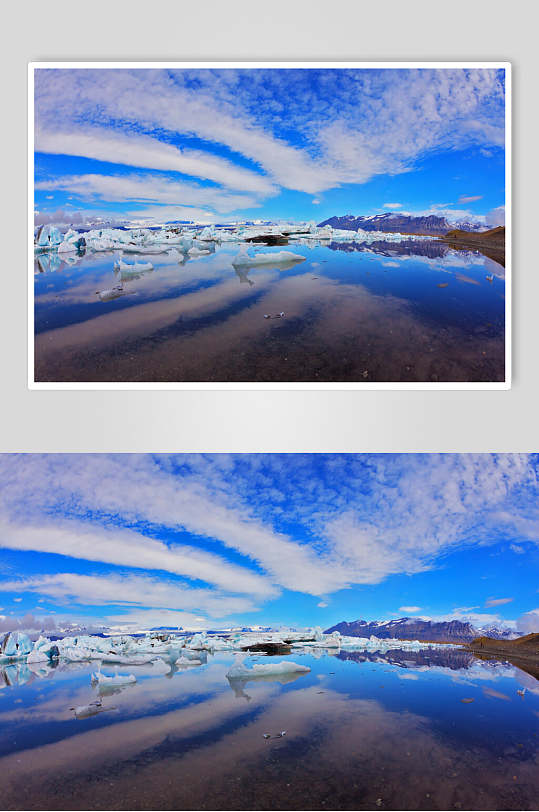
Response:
column 412, row 628
column 430, row 225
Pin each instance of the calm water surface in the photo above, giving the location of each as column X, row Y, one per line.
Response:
column 414, row 311
column 363, row 732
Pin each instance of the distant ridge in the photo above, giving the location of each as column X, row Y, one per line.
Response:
column 411, row 628
column 428, row 225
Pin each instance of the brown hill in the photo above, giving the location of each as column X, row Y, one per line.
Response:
column 496, row 236
column 491, row 243
column 522, row 652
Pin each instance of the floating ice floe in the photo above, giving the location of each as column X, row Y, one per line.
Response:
column 186, row 661
column 117, row 679
column 132, row 267
column 111, row 293
column 92, row 709
column 265, row 258
column 198, row 252
column 240, row 671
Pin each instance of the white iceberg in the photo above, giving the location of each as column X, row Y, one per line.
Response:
column 208, row 234
column 93, row 708
column 126, row 659
column 186, row 661
column 197, row 252
column 277, row 258
column 117, row 679
column 66, row 247
column 240, row 671
column 15, row 645
column 48, row 236
column 132, row 267
column 111, row 293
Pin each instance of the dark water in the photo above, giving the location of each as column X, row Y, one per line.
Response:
column 388, row 312
column 363, row 732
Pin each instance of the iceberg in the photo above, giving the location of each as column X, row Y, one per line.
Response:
column 277, row 258
column 84, row 711
column 48, row 236
column 126, row 659
column 186, row 661
column 145, row 249
column 240, row 671
column 132, row 267
column 44, row 651
column 117, row 679
column 66, row 247
column 111, row 293
column 15, row 645
column 198, row 252
column 208, row 234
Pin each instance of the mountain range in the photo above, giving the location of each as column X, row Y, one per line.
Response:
column 429, row 225
column 412, row 628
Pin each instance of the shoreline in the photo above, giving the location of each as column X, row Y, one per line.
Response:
column 522, row 652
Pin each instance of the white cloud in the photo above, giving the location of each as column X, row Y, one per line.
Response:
column 118, row 546
column 17, row 600
column 498, row 601
column 149, row 153
column 469, row 198
column 315, row 201
column 360, row 518
column 149, row 494
column 409, row 608
column 148, row 188
column 469, row 615
column 359, row 125
column 151, row 618
column 322, row 605
column 496, row 217
column 529, row 622
column 392, row 206
column 129, row 589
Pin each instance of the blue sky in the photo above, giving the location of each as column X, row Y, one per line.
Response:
column 202, row 541
column 220, row 145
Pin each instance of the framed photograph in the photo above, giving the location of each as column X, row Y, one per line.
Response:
column 266, row 631
column 270, row 225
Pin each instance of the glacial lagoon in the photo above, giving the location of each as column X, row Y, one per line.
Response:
column 426, row 729
column 413, row 311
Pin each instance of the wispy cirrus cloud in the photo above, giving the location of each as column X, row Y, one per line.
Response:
column 347, row 126
column 148, row 188
column 117, row 545
column 130, row 590
column 256, row 524
column 144, row 151
column 498, row 601
column 469, row 198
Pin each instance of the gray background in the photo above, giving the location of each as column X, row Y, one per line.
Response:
column 270, row 420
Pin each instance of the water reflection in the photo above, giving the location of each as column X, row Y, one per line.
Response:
column 353, row 312
column 356, row 732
